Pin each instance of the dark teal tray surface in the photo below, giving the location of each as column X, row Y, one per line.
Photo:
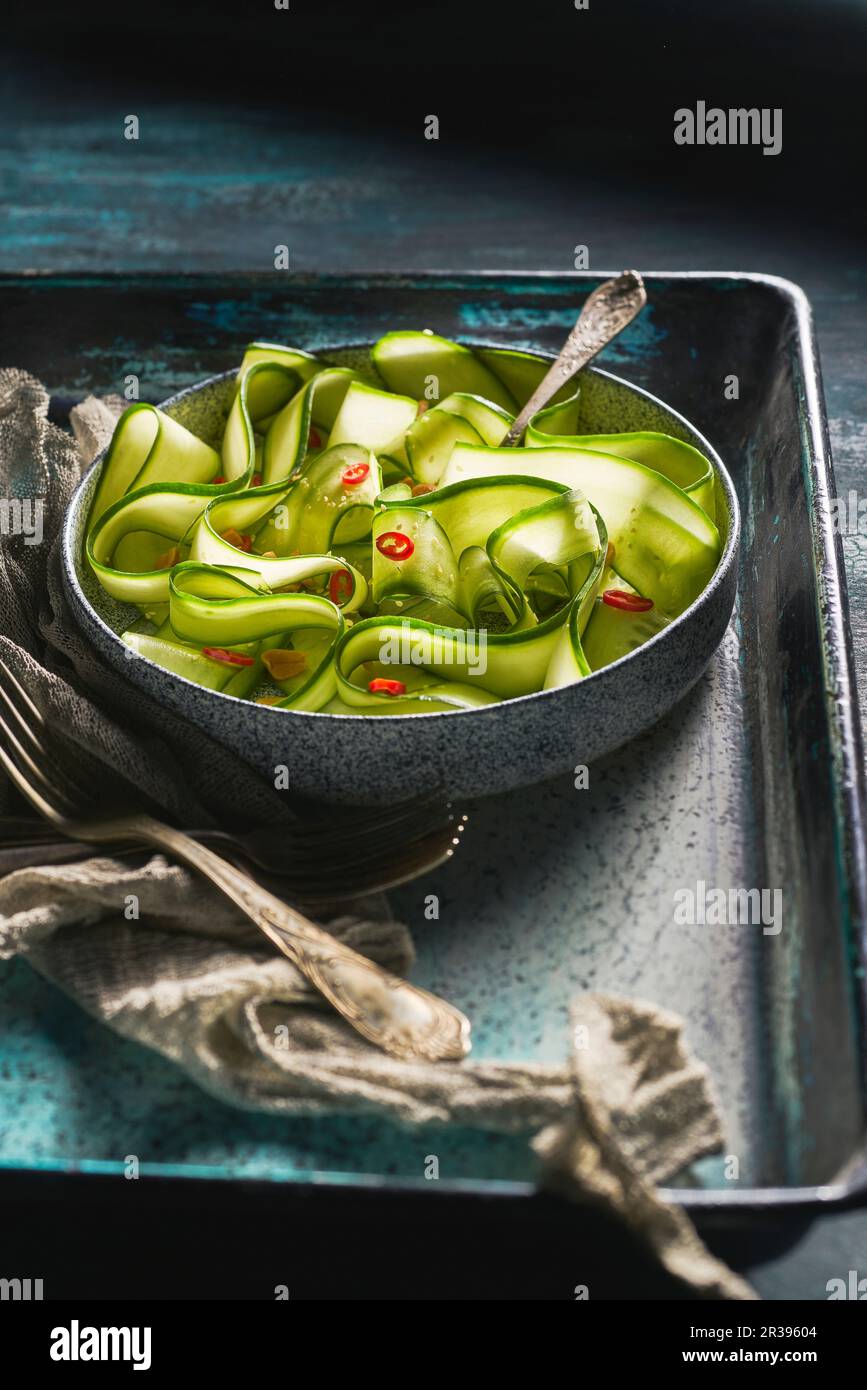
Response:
column 754, row 779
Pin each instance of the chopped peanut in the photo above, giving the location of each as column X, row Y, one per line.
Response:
column 420, row 489
column 269, row 554
column 268, row 699
column 169, row 560
column 236, row 539
column 282, row 664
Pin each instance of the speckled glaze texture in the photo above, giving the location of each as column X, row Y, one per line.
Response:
column 463, row 753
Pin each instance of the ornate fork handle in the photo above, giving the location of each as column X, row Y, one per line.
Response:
column 399, row 1017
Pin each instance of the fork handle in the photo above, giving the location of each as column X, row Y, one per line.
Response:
column 399, row 1017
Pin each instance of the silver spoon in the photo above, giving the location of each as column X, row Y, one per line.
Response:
column 606, row 312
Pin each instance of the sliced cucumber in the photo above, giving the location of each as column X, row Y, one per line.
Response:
column 184, row 660
column 673, row 458
column 287, row 440
column 320, row 501
column 615, row 632
column 431, row 368
column 150, row 447
column 304, row 364
column 430, row 441
column 377, row 420
column 490, row 421
column 665, row 544
column 520, row 372
column 483, row 586
column 431, row 569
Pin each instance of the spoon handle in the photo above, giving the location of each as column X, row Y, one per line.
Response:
column 606, row 312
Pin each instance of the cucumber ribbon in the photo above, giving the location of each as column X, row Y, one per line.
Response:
column 358, row 526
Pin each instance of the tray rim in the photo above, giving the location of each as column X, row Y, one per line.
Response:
column 841, row 700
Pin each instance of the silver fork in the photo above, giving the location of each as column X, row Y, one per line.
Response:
column 323, row 859
column 401, row 1018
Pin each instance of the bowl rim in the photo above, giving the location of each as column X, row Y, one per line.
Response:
column 720, row 575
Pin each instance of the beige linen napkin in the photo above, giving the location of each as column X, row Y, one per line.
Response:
column 188, row 977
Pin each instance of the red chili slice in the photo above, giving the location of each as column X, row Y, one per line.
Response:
column 219, row 479
column 256, row 480
column 230, row 658
column 394, row 545
column 630, row 603
column 381, row 686
column 339, row 586
column 354, row 474
column 314, row 440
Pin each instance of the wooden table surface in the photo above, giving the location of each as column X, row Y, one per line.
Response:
column 206, row 188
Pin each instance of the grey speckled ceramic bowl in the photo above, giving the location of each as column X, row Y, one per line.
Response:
column 463, row 752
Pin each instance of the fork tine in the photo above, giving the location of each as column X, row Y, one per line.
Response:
column 324, row 840
column 35, row 714
column 375, row 823
column 24, row 785
column 425, row 838
column 18, row 762
column 30, row 770
column 23, row 730
column 30, row 747
column 36, row 751
column 354, row 854
column 307, row 854
column 365, row 847
column 376, row 818
column 428, row 854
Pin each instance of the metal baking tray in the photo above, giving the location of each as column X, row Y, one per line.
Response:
column 755, row 780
